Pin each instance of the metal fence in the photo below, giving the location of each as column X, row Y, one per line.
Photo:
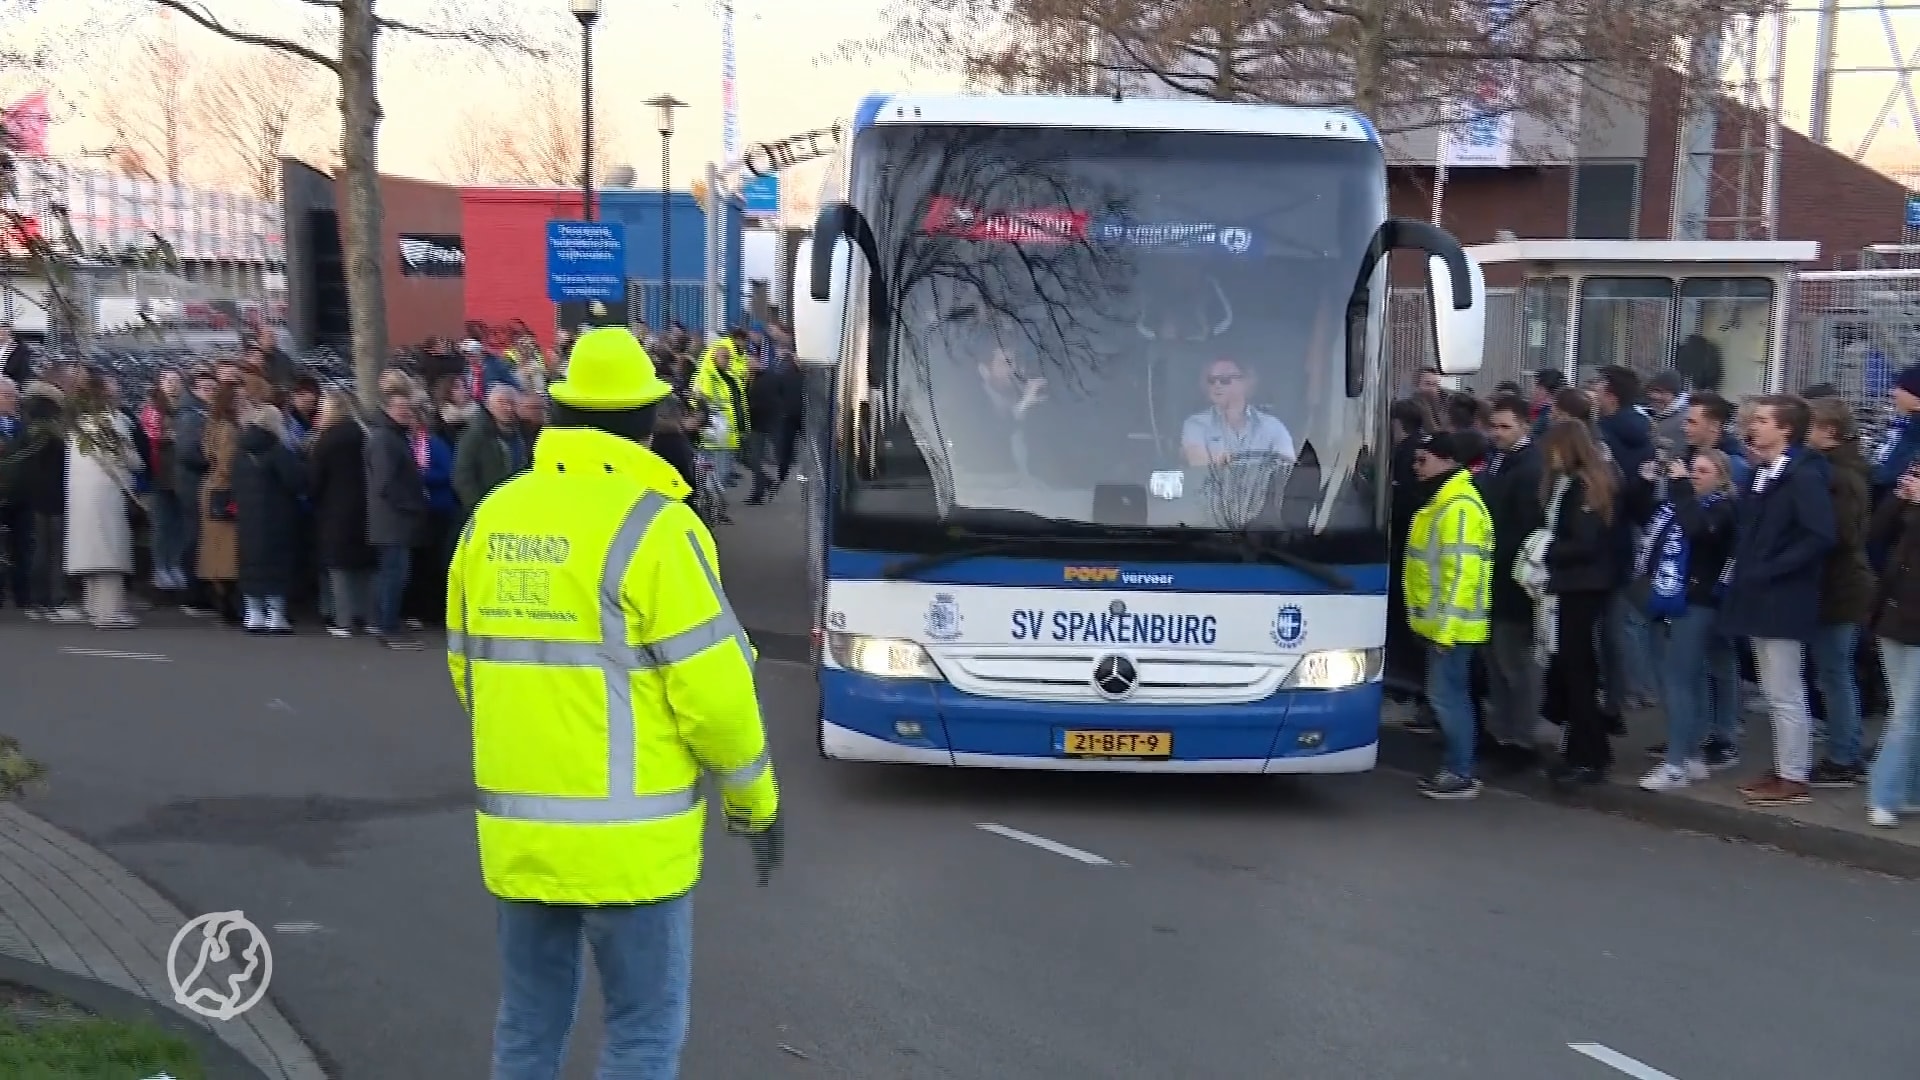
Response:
column 689, row 303
column 1410, row 340
column 1855, row 329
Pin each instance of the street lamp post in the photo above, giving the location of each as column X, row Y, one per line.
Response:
column 588, row 12
column 663, row 106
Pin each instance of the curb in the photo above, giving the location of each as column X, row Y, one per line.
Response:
column 222, row 1062
column 1404, row 751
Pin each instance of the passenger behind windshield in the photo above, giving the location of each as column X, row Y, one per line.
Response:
column 1231, row 426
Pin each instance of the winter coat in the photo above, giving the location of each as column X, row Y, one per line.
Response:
column 1512, row 493
column 99, row 533
column 438, row 478
column 1846, row 581
column 396, row 492
column 486, row 456
column 39, row 480
column 1671, row 426
column 18, row 363
column 337, row 484
column 268, row 482
column 189, row 453
column 219, row 540
column 1782, row 538
column 1628, row 436
column 1709, row 531
column 1890, row 461
column 1583, row 555
column 1897, row 523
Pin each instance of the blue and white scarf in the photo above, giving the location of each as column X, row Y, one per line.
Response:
column 1665, row 550
column 1890, row 437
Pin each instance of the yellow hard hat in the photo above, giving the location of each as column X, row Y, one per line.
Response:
column 609, row 370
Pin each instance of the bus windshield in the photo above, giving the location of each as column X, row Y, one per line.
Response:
column 1119, row 328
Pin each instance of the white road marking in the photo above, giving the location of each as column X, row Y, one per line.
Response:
column 297, row 927
column 115, row 654
column 1043, row 843
column 1614, row 1059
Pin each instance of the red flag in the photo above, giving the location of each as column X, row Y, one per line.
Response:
column 26, row 124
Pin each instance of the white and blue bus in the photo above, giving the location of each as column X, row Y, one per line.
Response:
column 1097, row 426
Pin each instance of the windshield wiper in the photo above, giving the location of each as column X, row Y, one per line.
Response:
column 1319, row 571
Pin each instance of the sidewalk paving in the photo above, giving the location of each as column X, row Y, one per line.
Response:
column 66, row 905
column 1832, row 827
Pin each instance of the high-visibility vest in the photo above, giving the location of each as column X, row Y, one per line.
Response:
column 603, row 670
column 728, row 393
column 1449, row 565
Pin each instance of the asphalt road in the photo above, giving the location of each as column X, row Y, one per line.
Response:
column 1181, row 927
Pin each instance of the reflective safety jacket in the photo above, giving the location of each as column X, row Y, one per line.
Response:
column 727, row 394
column 603, row 671
column 1449, row 565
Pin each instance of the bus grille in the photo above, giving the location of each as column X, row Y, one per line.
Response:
column 1165, row 678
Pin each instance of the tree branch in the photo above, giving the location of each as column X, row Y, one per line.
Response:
column 200, row 15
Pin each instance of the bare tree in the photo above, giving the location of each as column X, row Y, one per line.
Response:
column 140, row 95
column 1408, row 65
column 251, row 107
column 538, row 143
column 358, row 30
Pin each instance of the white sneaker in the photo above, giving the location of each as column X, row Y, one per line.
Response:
column 116, row 622
column 68, row 614
column 1665, row 777
column 1882, row 819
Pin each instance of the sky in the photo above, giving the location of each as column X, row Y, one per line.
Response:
column 648, row 47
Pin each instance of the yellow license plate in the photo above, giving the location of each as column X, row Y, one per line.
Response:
column 1118, row 744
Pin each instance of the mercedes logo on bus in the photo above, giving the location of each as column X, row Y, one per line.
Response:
column 1115, row 677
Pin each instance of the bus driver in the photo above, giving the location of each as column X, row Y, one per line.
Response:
column 1231, row 426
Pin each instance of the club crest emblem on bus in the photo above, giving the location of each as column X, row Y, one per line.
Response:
column 1289, row 626
column 1236, row 240
column 943, row 618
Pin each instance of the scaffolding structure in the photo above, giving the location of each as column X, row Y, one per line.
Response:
column 1726, row 183
column 1841, row 30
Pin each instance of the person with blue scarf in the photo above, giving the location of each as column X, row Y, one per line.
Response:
column 1682, row 555
column 1899, row 445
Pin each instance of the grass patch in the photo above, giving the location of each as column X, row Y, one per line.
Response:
column 94, row 1049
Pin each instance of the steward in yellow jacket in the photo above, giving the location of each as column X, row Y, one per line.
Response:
column 604, row 672
column 721, row 377
column 1449, row 587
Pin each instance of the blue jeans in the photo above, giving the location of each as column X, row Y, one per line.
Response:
column 1832, row 650
column 1630, row 670
column 1894, row 783
column 1723, row 675
column 644, row 953
column 1686, row 682
column 390, row 586
column 1449, row 682
column 170, row 534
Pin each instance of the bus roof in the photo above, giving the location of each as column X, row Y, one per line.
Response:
column 1130, row 114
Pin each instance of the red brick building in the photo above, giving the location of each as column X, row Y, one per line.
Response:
column 1824, row 195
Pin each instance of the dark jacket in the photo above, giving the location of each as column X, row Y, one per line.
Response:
column 1780, row 547
column 1709, row 531
column 487, row 455
column 438, row 478
column 396, row 492
column 189, row 454
column 40, row 482
column 267, row 485
column 337, row 482
column 1897, row 523
column 1582, row 557
column 1897, row 450
column 1628, row 435
column 1511, row 487
column 1846, row 581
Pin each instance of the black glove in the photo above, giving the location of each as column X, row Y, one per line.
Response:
column 769, row 845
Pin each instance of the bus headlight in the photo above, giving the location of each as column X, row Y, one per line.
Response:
column 1336, row 669
column 882, row 658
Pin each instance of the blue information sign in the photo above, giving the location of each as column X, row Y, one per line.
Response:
column 586, row 260
column 1913, row 211
column 761, row 194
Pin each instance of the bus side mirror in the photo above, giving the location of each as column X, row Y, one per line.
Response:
column 1459, row 332
column 818, row 321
